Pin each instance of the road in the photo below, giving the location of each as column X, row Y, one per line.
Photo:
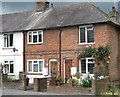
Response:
column 6, row 91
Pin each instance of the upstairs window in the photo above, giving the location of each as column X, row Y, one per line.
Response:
column 35, row 37
column 8, row 40
column 86, row 34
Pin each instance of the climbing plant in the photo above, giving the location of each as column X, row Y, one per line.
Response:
column 100, row 54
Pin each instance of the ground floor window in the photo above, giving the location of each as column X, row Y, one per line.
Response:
column 86, row 65
column 35, row 66
column 9, row 67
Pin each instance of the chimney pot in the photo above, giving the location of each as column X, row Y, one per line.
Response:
column 41, row 5
column 113, row 9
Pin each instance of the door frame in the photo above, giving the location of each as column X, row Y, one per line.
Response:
column 64, row 66
column 50, row 65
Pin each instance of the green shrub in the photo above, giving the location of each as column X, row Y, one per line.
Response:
column 110, row 88
column 87, row 82
column 75, row 82
column 11, row 78
column 77, row 75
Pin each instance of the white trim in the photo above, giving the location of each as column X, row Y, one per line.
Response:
column 85, row 34
column 86, row 65
column 53, row 60
column 64, row 65
column 50, row 60
column 64, row 70
column 8, row 34
column 9, row 66
column 38, row 65
column 41, row 31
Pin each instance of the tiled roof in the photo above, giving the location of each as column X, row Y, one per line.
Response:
column 76, row 14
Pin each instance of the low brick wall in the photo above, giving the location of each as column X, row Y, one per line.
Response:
column 12, row 85
column 40, row 84
column 102, row 85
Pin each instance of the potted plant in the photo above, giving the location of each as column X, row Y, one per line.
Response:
column 58, row 80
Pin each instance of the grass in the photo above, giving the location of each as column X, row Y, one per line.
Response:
column 116, row 91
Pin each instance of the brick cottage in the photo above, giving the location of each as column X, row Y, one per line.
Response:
column 53, row 37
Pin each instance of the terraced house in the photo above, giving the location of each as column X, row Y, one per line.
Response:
column 51, row 38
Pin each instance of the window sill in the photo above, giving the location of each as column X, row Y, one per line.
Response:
column 34, row 43
column 35, row 73
column 86, row 43
column 7, row 47
column 10, row 74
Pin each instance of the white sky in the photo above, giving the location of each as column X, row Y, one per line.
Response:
column 10, row 7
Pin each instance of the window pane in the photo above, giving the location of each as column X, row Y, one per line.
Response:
column 90, row 60
column 30, row 66
column 35, row 67
column 35, row 32
column 11, row 40
column 83, row 66
column 11, row 62
column 5, row 40
column 34, row 38
column 30, row 36
column 40, row 37
column 8, row 41
column 82, row 35
column 6, row 68
column 90, row 68
column 90, row 27
column 90, row 36
column 40, row 66
column 5, row 61
column 11, row 68
column 35, row 61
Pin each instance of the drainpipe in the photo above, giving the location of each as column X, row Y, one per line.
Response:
column 118, row 54
column 60, row 51
column 23, row 52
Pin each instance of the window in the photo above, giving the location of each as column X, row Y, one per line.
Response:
column 8, row 40
column 86, row 35
column 87, row 66
column 35, row 66
column 9, row 67
column 35, row 37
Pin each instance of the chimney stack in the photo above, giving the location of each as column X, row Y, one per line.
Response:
column 41, row 5
column 113, row 9
column 114, row 15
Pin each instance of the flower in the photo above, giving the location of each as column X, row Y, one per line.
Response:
column 108, row 57
column 108, row 62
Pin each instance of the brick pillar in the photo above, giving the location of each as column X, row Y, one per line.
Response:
column 40, row 84
column 4, row 77
column 36, row 84
column 24, row 82
column 43, row 84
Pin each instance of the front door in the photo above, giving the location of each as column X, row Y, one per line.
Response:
column 54, row 68
column 68, row 65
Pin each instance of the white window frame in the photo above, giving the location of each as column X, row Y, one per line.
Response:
column 5, row 42
column 9, row 66
column 39, row 31
column 86, row 66
column 32, row 66
column 85, row 34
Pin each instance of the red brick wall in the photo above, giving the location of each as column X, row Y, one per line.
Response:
column 103, row 35
column 108, row 34
column 113, row 40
